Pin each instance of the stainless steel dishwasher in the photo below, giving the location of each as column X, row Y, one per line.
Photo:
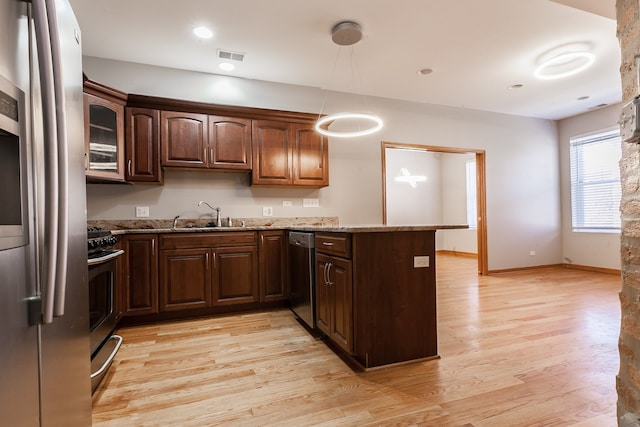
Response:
column 301, row 276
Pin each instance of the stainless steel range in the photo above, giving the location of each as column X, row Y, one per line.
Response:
column 103, row 316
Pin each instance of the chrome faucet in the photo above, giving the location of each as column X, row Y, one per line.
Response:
column 175, row 221
column 218, row 219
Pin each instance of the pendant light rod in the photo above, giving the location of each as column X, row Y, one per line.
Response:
column 346, row 33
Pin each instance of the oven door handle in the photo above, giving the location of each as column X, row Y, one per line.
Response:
column 107, row 362
column 105, row 258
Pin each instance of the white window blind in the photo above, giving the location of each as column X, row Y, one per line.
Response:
column 595, row 181
column 472, row 211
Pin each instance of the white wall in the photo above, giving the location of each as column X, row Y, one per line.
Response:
column 581, row 248
column 454, row 204
column 441, row 199
column 407, row 205
column 523, row 197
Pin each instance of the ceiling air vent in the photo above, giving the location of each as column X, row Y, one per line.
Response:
column 227, row 54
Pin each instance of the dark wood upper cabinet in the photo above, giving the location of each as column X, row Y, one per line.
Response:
column 229, row 143
column 104, row 132
column 183, row 139
column 280, row 148
column 310, row 156
column 291, row 154
column 271, row 153
column 142, row 143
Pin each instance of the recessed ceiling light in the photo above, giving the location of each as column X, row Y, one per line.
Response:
column 424, row 71
column 564, row 65
column 226, row 66
column 203, row 32
column 516, row 86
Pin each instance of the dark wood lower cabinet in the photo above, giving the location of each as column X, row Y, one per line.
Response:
column 185, row 279
column 178, row 275
column 373, row 301
column 235, row 275
column 273, row 265
column 333, row 300
column 138, row 282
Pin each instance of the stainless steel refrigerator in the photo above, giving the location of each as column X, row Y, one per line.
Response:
column 44, row 314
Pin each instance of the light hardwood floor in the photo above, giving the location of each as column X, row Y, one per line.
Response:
column 527, row 348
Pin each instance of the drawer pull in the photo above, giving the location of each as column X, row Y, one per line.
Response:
column 327, row 243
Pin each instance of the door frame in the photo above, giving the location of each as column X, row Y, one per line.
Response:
column 481, row 192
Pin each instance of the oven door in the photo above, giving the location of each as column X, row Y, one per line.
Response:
column 102, row 314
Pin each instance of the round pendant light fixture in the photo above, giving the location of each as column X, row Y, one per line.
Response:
column 347, row 33
column 332, row 118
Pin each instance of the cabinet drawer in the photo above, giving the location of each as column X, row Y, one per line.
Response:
column 338, row 244
column 208, row 240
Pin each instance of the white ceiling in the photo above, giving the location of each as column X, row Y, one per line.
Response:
column 477, row 48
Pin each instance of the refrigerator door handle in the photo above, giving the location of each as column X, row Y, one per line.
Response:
column 49, row 261
column 63, row 161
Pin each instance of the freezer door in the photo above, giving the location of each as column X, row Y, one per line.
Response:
column 19, row 385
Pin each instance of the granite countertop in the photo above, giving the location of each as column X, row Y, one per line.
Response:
column 310, row 224
column 377, row 228
column 329, row 229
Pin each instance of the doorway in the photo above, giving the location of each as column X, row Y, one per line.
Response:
column 414, row 180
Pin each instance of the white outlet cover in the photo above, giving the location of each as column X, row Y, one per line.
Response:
column 420, row 261
column 142, row 211
column 267, row 211
column 287, row 203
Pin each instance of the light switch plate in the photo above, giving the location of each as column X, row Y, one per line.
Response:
column 310, row 203
column 420, row 261
column 142, row 211
column 287, row 203
column 267, row 211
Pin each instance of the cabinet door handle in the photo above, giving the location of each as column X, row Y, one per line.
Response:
column 329, row 274
column 324, row 273
column 204, row 154
column 206, row 260
column 211, row 155
column 129, row 167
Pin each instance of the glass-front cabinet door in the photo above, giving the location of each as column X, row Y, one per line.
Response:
column 104, row 138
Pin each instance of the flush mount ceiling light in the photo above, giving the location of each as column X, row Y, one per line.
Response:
column 347, row 33
column 411, row 179
column 203, row 32
column 226, row 66
column 564, row 65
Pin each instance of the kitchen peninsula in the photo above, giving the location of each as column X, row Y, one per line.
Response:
column 377, row 306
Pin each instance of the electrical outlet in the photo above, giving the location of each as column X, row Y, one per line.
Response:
column 420, row 261
column 287, row 203
column 532, row 253
column 267, row 211
column 142, row 211
column 310, row 203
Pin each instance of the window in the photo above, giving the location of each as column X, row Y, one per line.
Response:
column 595, row 181
column 472, row 211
